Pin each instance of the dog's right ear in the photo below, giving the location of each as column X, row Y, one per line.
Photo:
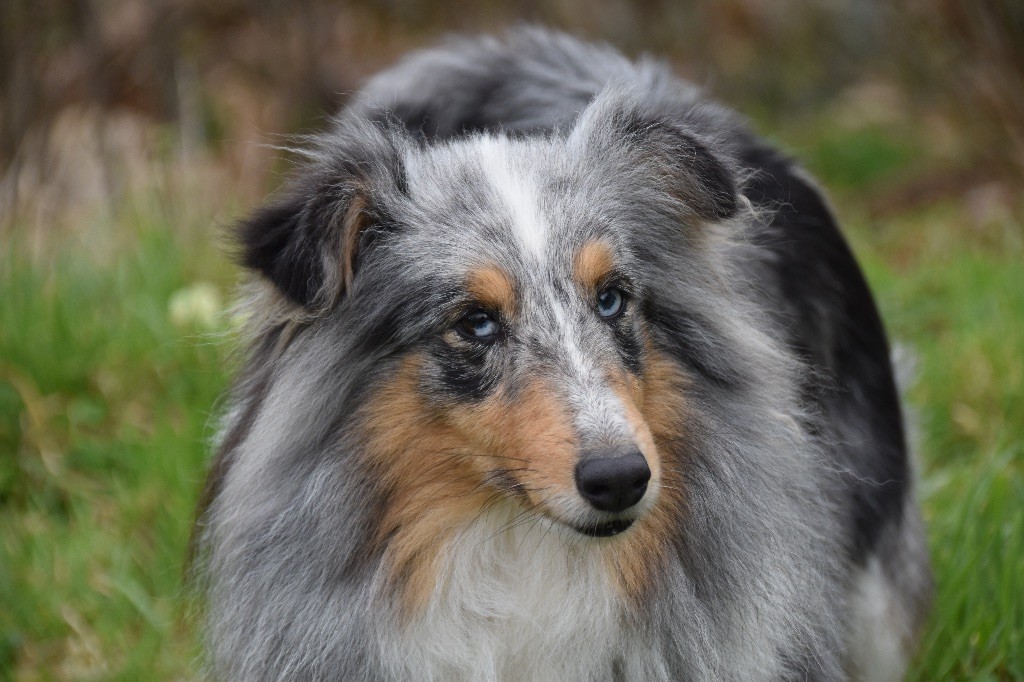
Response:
column 309, row 242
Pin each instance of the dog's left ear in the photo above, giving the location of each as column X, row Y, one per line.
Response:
column 621, row 125
column 308, row 244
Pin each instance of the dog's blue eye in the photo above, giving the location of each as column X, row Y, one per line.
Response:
column 479, row 325
column 610, row 303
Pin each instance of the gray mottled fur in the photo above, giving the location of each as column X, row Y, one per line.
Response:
column 758, row 586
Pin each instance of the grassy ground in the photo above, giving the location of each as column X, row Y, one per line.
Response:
column 962, row 313
column 111, row 368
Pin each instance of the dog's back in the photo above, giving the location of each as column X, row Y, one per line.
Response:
column 871, row 581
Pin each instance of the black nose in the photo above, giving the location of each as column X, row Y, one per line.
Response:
column 613, row 483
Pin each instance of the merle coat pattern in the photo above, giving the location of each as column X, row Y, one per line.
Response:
column 777, row 537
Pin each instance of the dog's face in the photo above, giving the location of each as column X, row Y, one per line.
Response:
column 534, row 361
column 505, row 287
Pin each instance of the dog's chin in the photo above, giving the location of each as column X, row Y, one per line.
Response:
column 604, row 530
column 590, row 529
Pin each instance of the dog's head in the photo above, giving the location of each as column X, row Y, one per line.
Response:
column 518, row 303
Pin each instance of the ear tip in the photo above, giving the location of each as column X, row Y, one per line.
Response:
column 263, row 234
column 270, row 243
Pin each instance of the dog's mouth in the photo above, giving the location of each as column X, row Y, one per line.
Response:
column 604, row 530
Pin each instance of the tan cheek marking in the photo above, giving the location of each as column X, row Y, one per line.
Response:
column 429, row 491
column 492, row 287
column 656, row 408
column 433, row 467
column 593, row 263
column 531, row 433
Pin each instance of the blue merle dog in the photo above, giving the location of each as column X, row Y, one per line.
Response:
column 556, row 372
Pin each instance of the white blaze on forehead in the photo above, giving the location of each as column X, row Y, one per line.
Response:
column 599, row 410
column 517, row 191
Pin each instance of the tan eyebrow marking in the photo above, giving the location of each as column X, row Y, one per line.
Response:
column 492, row 287
column 593, row 263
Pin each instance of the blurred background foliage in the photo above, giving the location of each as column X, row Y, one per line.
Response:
column 94, row 90
column 132, row 132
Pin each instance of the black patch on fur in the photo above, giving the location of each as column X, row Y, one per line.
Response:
column 381, row 332
column 278, row 242
column 630, row 348
column 464, row 371
column 690, row 340
column 833, row 323
column 423, row 121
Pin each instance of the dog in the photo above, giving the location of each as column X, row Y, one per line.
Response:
column 557, row 372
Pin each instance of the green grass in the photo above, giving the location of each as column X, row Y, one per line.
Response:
column 105, row 411
column 961, row 310
column 107, row 404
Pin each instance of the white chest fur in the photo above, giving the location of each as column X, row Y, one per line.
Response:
column 519, row 600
